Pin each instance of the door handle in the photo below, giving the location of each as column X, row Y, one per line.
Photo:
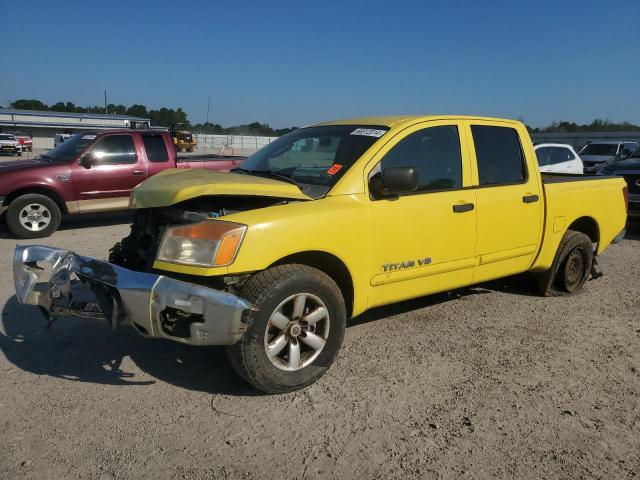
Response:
column 138, row 172
column 465, row 207
column 530, row 198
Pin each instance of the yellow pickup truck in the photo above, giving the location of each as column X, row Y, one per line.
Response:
column 272, row 259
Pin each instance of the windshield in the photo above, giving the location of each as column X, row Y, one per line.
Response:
column 314, row 157
column 605, row 149
column 67, row 151
column 7, row 137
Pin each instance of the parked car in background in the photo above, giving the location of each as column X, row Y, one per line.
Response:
column 90, row 172
column 61, row 138
column 558, row 158
column 10, row 144
column 597, row 154
column 25, row 141
column 629, row 168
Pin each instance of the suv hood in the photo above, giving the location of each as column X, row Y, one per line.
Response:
column 14, row 165
column 621, row 167
column 177, row 185
column 596, row 158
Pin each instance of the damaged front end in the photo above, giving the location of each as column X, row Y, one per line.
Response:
column 155, row 305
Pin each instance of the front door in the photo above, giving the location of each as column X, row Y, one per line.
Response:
column 509, row 201
column 424, row 241
column 106, row 183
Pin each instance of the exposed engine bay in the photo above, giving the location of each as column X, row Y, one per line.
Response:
column 138, row 250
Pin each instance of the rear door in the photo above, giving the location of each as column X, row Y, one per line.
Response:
column 106, row 185
column 509, row 199
column 156, row 152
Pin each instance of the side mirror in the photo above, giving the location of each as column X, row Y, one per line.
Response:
column 88, row 160
column 393, row 181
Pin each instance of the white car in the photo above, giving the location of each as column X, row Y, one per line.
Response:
column 10, row 144
column 558, row 158
column 60, row 138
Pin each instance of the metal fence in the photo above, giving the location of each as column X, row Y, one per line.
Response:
column 231, row 144
column 580, row 139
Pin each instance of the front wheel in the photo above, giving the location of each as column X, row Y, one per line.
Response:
column 33, row 216
column 294, row 335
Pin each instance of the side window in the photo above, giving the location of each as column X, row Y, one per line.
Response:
column 543, row 156
column 499, row 155
column 557, row 155
column 115, row 150
column 155, row 148
column 434, row 153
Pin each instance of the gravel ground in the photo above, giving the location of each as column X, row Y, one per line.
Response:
column 486, row 382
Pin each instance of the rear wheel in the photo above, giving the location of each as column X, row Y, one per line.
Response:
column 295, row 334
column 571, row 266
column 33, row 216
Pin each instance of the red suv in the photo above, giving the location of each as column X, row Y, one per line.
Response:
column 90, row 172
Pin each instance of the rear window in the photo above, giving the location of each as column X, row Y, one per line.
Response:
column 155, row 148
column 553, row 155
column 499, row 155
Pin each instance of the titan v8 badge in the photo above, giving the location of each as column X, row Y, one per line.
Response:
column 389, row 267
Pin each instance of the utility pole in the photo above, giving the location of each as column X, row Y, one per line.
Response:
column 105, row 103
column 208, row 107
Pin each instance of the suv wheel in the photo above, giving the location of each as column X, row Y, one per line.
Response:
column 33, row 216
column 295, row 334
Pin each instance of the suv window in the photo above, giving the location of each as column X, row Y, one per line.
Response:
column 434, row 153
column 499, row 155
column 115, row 150
column 553, row 155
column 155, row 147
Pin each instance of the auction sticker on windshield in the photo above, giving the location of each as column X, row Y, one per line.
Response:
column 334, row 169
column 369, row 132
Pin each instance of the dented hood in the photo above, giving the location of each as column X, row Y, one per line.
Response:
column 177, row 185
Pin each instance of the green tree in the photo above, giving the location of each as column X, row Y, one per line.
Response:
column 24, row 104
column 137, row 110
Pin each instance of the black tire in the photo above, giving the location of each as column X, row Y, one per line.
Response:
column 571, row 266
column 15, row 209
column 267, row 290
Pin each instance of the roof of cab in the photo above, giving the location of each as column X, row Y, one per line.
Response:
column 394, row 120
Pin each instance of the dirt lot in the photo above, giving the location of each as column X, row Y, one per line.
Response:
column 487, row 382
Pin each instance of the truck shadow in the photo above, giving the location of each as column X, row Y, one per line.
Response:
column 86, row 350
column 633, row 229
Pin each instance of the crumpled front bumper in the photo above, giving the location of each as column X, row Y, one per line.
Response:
column 157, row 306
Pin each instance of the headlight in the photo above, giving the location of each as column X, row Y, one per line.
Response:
column 211, row 243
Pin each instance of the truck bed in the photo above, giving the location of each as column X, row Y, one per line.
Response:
column 595, row 200
column 571, row 177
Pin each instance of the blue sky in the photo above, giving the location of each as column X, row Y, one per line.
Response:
column 296, row 62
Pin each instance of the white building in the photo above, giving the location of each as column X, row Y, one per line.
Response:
column 43, row 126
